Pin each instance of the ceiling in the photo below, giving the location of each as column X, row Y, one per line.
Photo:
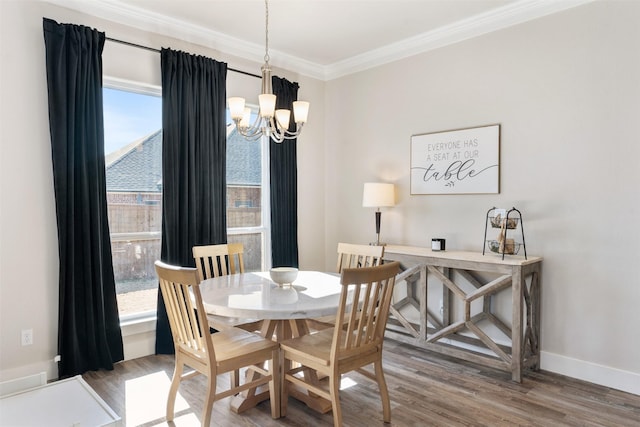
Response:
column 324, row 39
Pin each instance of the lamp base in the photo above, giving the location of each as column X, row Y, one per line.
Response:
column 377, row 242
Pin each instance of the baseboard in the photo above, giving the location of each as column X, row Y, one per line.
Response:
column 587, row 371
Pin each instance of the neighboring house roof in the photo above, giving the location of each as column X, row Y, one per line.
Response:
column 137, row 167
column 244, row 166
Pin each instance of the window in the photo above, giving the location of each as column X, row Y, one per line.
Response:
column 133, row 159
column 248, row 197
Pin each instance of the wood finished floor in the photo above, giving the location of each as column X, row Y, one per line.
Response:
column 426, row 389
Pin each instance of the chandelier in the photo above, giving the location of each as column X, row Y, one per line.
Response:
column 269, row 122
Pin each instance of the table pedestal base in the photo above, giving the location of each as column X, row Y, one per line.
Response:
column 280, row 330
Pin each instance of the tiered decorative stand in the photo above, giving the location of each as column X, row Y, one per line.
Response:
column 504, row 220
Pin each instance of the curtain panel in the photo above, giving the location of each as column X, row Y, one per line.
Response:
column 89, row 335
column 193, row 164
column 284, row 185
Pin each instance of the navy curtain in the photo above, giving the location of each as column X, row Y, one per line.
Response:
column 193, row 163
column 89, row 335
column 284, row 185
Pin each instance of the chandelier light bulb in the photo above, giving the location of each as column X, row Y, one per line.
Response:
column 300, row 111
column 245, row 122
column 236, row 107
column 267, row 103
column 282, row 119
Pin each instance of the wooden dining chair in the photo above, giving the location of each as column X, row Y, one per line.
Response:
column 362, row 314
column 211, row 354
column 356, row 256
column 350, row 256
column 221, row 260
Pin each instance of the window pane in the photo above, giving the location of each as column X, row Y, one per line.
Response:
column 244, row 181
column 247, row 196
column 253, row 254
column 133, row 157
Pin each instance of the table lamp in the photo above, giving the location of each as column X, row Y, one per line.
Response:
column 377, row 195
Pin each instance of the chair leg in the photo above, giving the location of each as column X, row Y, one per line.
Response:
column 210, row 397
column 284, row 366
column 384, row 392
column 275, row 384
column 334, row 386
column 175, row 384
column 234, row 377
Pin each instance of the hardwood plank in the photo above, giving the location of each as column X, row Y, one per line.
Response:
column 426, row 389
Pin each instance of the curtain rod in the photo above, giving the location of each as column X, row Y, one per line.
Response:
column 139, row 46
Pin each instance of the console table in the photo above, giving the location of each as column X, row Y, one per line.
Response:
column 488, row 310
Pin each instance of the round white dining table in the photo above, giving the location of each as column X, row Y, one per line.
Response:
column 256, row 296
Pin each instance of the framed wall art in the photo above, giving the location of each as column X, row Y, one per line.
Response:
column 461, row 161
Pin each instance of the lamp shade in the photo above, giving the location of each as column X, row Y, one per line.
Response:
column 378, row 194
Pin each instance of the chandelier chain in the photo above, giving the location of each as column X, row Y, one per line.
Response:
column 266, row 31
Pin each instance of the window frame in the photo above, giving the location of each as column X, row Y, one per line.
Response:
column 142, row 89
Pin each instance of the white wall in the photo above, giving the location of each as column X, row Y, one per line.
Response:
column 28, row 237
column 564, row 88
column 566, row 92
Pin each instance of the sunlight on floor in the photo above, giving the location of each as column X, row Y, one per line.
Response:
column 346, row 382
column 146, row 401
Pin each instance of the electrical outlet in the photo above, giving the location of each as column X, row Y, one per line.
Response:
column 27, row 336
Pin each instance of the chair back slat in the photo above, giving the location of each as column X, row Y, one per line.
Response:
column 370, row 312
column 219, row 260
column 363, row 309
column 235, row 257
column 357, row 256
column 183, row 301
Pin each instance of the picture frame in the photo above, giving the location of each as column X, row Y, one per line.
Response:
column 459, row 161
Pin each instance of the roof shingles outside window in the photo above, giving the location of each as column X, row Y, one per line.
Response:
column 138, row 167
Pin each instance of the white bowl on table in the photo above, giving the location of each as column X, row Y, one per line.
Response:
column 283, row 275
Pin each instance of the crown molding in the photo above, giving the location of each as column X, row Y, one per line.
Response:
column 503, row 17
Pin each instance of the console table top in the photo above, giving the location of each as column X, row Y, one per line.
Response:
column 488, row 257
